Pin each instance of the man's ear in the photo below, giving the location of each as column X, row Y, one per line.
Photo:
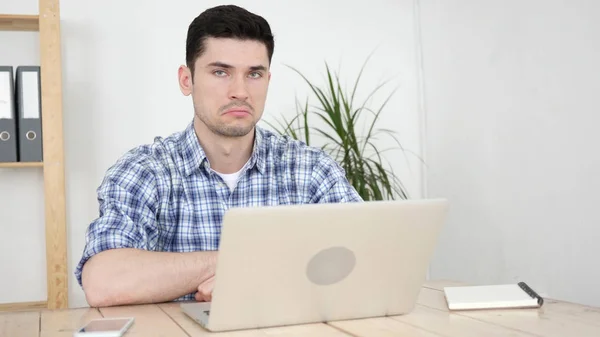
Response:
column 185, row 80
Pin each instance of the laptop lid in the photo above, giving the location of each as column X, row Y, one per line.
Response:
column 300, row 264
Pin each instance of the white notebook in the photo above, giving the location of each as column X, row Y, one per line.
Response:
column 501, row 296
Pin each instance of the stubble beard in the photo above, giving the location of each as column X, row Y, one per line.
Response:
column 229, row 131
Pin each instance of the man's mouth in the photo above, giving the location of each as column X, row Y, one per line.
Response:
column 237, row 112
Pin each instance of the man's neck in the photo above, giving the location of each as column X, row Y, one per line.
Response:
column 225, row 154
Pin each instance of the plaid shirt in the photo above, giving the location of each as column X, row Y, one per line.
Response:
column 165, row 197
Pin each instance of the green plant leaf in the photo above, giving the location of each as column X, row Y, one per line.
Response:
column 366, row 167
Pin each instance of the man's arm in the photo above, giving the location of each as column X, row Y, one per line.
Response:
column 134, row 276
column 122, row 262
column 328, row 183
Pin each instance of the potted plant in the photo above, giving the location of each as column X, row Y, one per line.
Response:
column 340, row 116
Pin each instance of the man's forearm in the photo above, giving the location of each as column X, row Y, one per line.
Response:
column 132, row 276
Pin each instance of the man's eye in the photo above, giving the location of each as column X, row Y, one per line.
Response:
column 255, row 75
column 219, row 73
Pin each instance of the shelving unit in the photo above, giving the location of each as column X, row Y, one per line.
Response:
column 20, row 165
column 19, row 22
column 47, row 23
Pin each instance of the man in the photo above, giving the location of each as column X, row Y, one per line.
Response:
column 161, row 205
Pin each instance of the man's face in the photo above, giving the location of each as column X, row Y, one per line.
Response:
column 230, row 85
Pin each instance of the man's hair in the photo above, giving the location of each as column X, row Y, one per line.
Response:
column 227, row 21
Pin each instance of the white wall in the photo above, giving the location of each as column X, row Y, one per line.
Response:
column 120, row 89
column 512, row 103
column 21, row 213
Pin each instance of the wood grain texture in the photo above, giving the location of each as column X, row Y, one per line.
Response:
column 150, row 320
column 53, row 152
column 20, row 165
column 430, row 318
column 537, row 322
column 23, row 306
column 382, row 327
column 20, row 324
column 63, row 323
column 195, row 330
column 452, row 325
column 583, row 313
column 17, row 22
column 550, row 320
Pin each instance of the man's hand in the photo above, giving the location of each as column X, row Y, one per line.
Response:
column 205, row 289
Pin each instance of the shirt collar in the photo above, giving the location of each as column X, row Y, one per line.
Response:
column 191, row 152
column 194, row 156
column 259, row 151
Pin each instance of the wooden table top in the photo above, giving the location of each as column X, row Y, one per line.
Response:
column 430, row 318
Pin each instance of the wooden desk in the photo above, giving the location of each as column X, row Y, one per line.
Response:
column 430, row 318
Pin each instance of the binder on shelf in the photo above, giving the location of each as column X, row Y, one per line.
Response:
column 29, row 107
column 8, row 118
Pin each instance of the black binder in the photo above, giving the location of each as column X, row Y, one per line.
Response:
column 29, row 107
column 8, row 119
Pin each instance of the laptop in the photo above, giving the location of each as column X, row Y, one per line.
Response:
column 300, row 264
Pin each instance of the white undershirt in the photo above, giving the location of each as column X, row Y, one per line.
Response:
column 230, row 179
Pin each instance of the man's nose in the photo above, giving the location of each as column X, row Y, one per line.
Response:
column 238, row 89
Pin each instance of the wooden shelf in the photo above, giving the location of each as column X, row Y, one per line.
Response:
column 47, row 23
column 21, row 165
column 17, row 22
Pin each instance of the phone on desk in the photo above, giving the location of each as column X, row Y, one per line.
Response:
column 105, row 327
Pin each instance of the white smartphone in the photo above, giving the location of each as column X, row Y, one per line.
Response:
column 105, row 327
